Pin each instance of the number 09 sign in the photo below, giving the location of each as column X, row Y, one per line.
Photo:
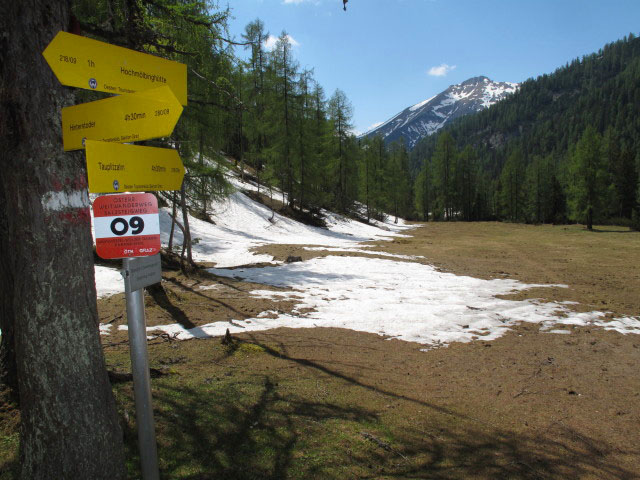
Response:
column 126, row 225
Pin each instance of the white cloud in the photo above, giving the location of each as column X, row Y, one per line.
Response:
column 271, row 40
column 440, row 70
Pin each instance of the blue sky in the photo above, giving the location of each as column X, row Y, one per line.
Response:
column 389, row 54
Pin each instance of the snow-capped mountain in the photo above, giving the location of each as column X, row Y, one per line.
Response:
column 429, row 116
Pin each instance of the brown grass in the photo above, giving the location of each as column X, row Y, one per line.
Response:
column 337, row 404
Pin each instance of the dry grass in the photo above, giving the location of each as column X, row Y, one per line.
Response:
column 337, row 404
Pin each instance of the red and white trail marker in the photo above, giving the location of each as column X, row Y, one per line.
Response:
column 126, row 225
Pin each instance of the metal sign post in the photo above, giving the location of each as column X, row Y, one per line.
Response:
column 140, row 369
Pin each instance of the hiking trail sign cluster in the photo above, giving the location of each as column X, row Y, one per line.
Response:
column 151, row 94
column 152, row 91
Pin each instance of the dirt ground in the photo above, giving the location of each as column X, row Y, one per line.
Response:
column 337, row 404
column 528, row 405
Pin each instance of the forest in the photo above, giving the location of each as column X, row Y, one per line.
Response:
column 564, row 148
column 247, row 101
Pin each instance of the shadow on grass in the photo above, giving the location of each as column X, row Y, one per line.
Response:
column 235, row 431
column 159, row 296
column 604, row 230
column 246, row 426
column 477, row 450
column 181, row 285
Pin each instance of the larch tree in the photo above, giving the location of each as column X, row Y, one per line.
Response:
column 340, row 113
column 69, row 423
column 588, row 177
column 512, row 182
column 422, row 191
column 444, row 159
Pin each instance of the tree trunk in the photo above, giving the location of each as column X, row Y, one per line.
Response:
column 366, row 166
column 69, row 421
column 186, row 242
column 173, row 223
column 8, row 368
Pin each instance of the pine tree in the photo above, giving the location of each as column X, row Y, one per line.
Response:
column 588, row 177
column 466, row 182
column 443, row 161
column 422, row 192
column 340, row 113
column 635, row 219
column 282, row 71
column 512, row 186
column 256, row 127
column 400, row 180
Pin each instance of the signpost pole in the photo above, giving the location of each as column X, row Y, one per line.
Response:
column 141, row 380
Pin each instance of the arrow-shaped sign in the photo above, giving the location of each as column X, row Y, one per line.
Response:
column 125, row 118
column 114, row 167
column 86, row 63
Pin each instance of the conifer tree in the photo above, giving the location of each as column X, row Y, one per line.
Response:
column 512, row 183
column 340, row 113
column 400, row 180
column 588, row 177
column 466, row 182
column 283, row 70
column 443, row 161
column 635, row 218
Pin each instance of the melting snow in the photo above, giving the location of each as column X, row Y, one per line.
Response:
column 390, row 296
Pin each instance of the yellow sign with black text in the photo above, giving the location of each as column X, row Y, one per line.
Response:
column 82, row 62
column 114, row 167
column 122, row 119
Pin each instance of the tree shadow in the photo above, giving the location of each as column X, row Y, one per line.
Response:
column 242, row 425
column 602, row 230
column 159, row 296
column 484, row 451
column 215, row 300
column 225, row 433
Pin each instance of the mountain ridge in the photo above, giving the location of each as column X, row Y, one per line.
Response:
column 430, row 115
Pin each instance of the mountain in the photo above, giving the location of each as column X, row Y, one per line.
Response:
column 526, row 151
column 429, row 116
column 549, row 114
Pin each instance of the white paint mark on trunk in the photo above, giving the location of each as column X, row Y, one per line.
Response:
column 57, row 201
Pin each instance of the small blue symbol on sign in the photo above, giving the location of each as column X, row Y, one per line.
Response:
column 116, row 185
column 93, row 83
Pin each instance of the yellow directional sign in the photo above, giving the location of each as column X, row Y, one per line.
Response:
column 114, row 167
column 86, row 63
column 125, row 118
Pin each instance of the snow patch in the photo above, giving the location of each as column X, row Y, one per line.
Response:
column 391, row 296
column 419, row 105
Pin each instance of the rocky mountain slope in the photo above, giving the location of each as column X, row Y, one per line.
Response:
column 429, row 116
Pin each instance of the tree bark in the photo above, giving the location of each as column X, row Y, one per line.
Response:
column 186, row 232
column 69, row 421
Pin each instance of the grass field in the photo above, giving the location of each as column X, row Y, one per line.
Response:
column 337, row 404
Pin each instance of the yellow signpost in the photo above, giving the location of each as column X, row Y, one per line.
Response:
column 82, row 62
column 125, row 118
column 114, row 167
